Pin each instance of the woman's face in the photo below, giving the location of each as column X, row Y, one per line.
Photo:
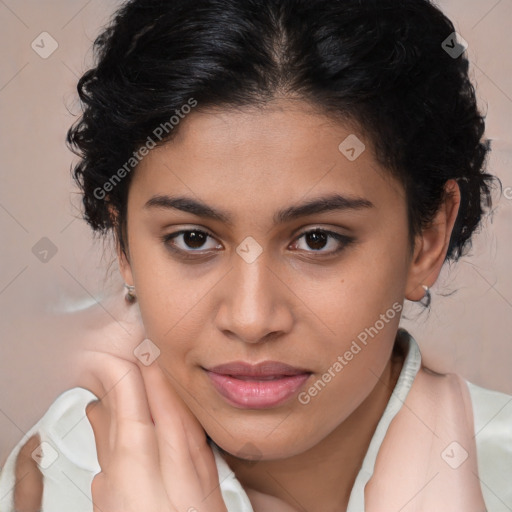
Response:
column 258, row 287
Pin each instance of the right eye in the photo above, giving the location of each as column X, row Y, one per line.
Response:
column 189, row 241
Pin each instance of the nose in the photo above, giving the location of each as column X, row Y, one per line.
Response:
column 256, row 303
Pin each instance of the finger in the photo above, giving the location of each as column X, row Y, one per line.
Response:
column 28, row 492
column 121, row 390
column 116, row 380
column 133, row 426
column 169, row 411
column 182, row 443
column 131, row 473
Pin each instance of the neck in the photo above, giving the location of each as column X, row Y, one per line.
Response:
column 322, row 477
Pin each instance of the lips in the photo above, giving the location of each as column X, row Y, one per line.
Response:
column 263, row 385
column 263, row 369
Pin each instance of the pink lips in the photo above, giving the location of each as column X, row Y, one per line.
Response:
column 266, row 384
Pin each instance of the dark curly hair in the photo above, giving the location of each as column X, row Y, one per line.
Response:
column 381, row 64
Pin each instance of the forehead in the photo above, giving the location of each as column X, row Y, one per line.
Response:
column 284, row 152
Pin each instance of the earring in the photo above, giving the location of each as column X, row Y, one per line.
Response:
column 130, row 294
column 427, row 298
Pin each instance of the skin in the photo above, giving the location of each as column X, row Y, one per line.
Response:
column 28, row 493
column 291, row 304
column 288, row 305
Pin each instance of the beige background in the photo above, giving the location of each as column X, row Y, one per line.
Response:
column 48, row 309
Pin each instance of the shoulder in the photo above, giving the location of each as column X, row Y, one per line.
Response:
column 61, row 448
column 492, row 411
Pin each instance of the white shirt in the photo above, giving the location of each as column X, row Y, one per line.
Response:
column 69, row 459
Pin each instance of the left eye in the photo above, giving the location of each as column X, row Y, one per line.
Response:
column 318, row 239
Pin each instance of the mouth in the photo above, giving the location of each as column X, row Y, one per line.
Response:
column 257, row 386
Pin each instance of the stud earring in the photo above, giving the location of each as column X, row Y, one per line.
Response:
column 130, row 294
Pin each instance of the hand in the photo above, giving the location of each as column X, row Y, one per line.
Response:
column 166, row 467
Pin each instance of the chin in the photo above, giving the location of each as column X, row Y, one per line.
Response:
column 253, row 448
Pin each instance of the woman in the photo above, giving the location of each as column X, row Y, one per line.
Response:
column 279, row 176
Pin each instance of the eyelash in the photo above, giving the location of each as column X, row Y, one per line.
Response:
column 344, row 240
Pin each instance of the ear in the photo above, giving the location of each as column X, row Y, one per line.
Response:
column 432, row 245
column 122, row 258
column 124, row 265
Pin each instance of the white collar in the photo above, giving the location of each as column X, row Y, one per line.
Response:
column 412, row 364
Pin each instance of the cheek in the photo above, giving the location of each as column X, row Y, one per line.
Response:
column 357, row 315
column 351, row 360
column 170, row 295
column 364, row 292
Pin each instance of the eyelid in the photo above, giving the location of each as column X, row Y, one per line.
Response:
column 300, row 231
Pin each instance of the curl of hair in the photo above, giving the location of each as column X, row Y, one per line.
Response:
column 378, row 63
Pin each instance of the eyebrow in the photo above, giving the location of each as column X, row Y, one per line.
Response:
column 333, row 202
